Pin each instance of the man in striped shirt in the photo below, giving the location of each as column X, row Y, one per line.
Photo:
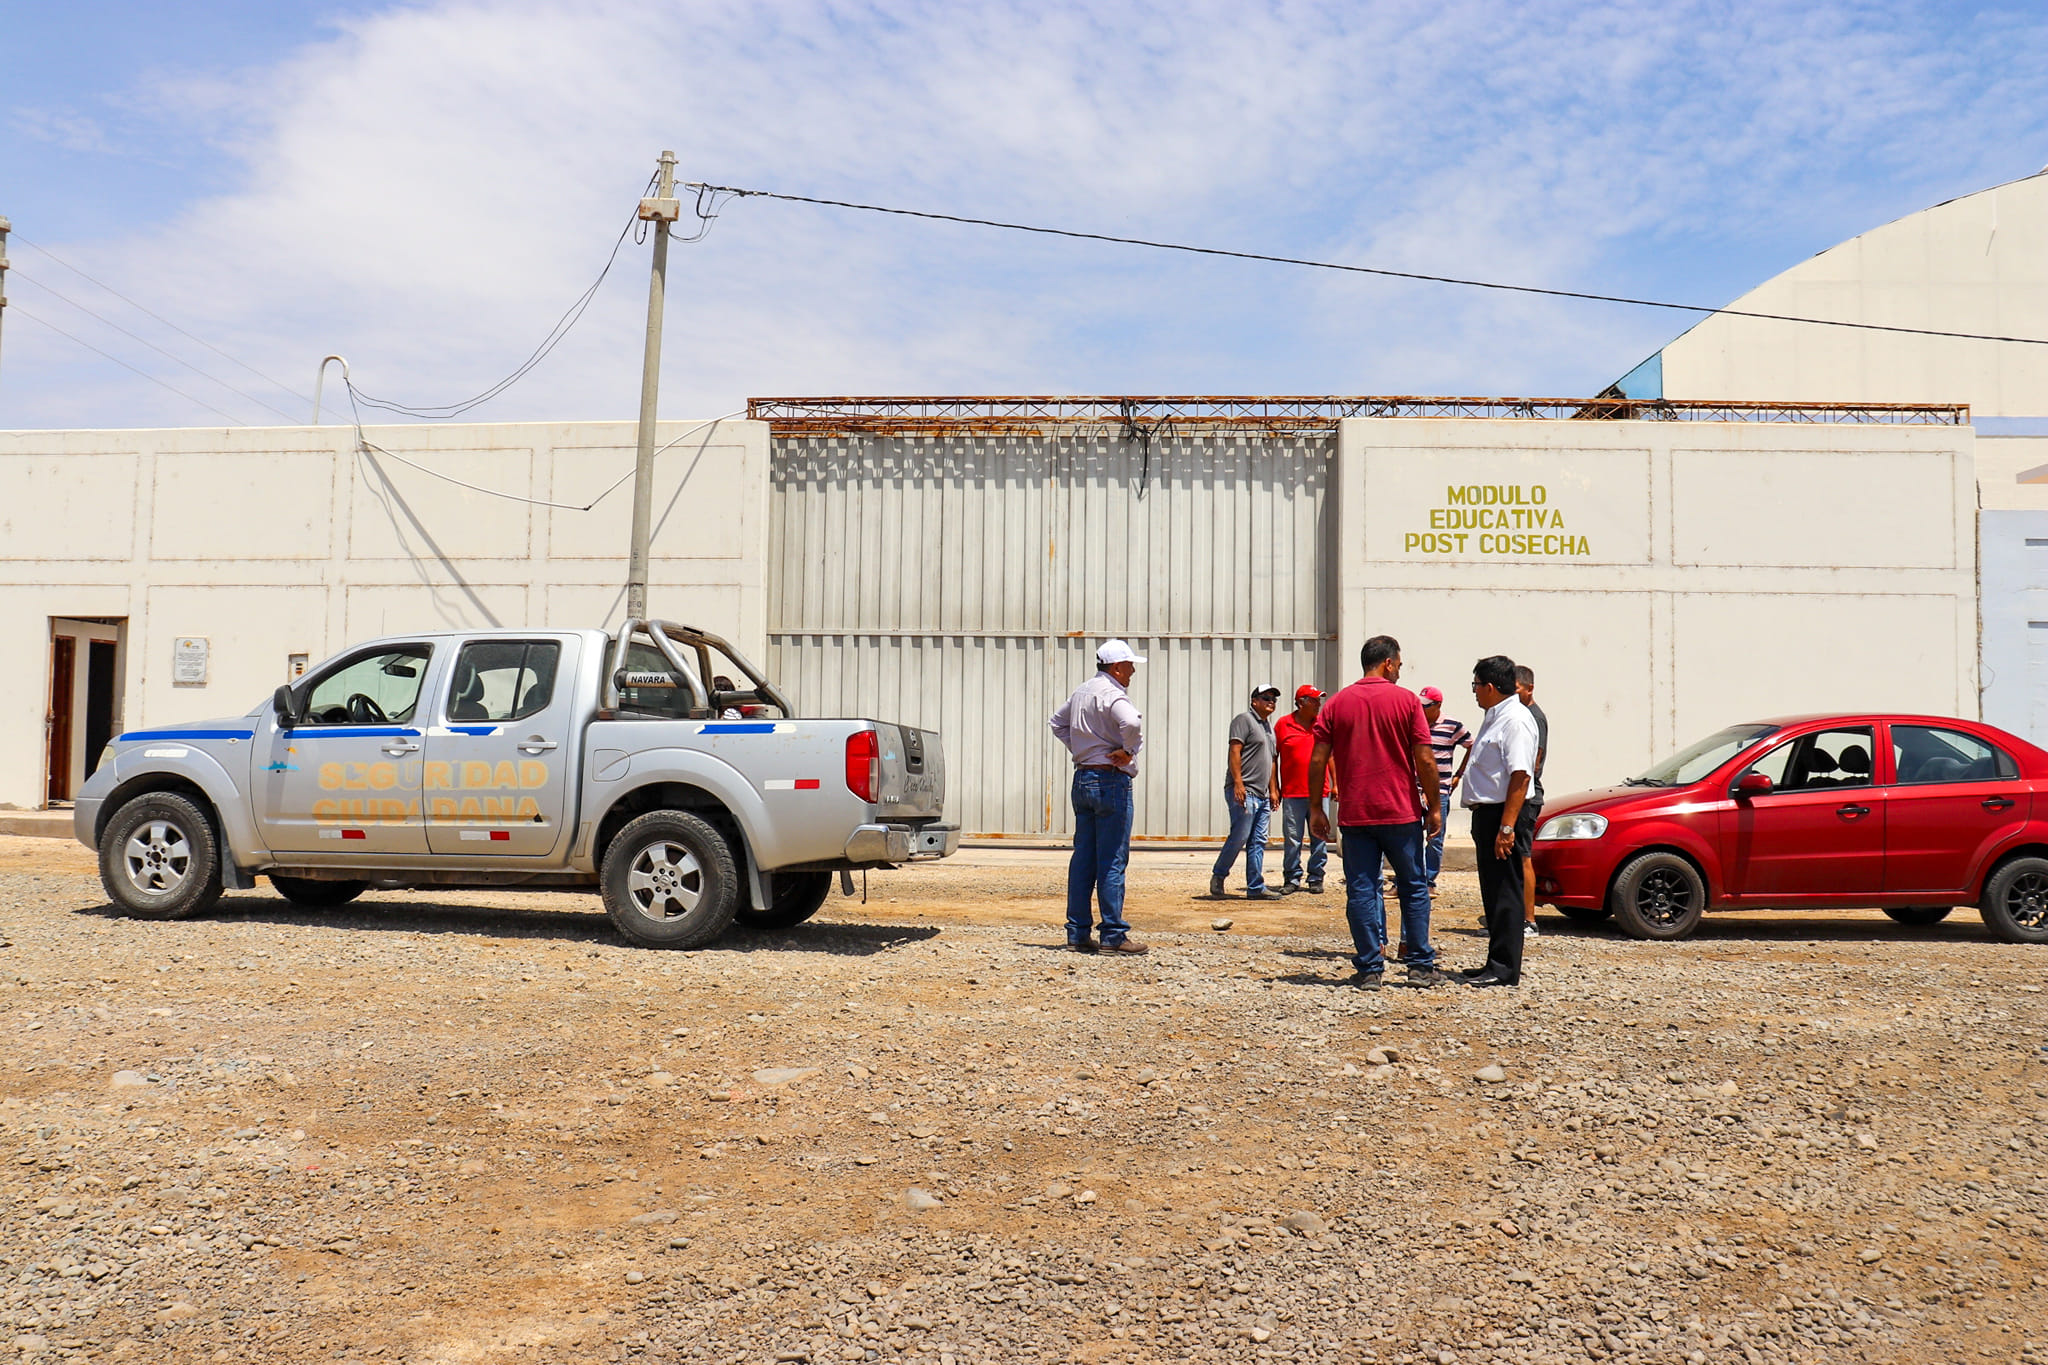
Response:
column 1446, row 737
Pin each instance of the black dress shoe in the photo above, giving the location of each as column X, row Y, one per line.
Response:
column 1486, row 979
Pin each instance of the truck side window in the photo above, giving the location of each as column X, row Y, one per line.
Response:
column 501, row 680
column 372, row 689
column 651, row 688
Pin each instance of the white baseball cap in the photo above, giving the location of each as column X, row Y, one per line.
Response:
column 1117, row 652
column 1265, row 688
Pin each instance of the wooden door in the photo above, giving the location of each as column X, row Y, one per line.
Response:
column 63, row 662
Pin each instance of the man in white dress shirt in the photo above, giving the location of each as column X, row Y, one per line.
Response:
column 1497, row 781
column 1104, row 732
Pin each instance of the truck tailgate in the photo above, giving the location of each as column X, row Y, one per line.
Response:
column 913, row 772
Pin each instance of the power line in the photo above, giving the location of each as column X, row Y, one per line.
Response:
column 1361, row 269
column 126, row 366
column 563, row 324
column 165, row 321
column 174, row 359
column 610, row 488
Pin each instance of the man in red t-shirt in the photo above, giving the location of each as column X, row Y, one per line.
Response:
column 1295, row 734
column 1375, row 734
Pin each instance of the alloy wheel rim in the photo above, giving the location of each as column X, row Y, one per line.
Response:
column 2027, row 901
column 1664, row 897
column 665, row 882
column 157, row 857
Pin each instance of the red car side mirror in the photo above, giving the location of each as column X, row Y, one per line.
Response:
column 1752, row 784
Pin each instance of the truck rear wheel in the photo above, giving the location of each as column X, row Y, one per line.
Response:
column 669, row 881
column 159, row 858
column 315, row 894
column 798, row 896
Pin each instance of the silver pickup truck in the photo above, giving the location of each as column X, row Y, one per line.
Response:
column 630, row 763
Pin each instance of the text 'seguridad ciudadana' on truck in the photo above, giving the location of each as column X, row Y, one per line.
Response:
column 629, row 763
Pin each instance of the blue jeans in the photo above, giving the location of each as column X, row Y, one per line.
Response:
column 1363, row 906
column 1102, row 846
column 1433, row 860
column 1293, row 829
column 1249, row 821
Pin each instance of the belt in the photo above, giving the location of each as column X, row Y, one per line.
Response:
column 1097, row 768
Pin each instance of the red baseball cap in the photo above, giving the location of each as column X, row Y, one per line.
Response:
column 1431, row 695
column 1307, row 690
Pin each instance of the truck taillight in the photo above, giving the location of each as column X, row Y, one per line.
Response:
column 863, row 764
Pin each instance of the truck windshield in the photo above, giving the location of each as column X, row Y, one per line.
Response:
column 1691, row 764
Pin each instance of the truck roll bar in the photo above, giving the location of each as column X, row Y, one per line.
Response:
column 672, row 639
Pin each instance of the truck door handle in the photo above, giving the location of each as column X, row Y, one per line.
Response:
column 1852, row 811
column 1997, row 803
column 401, row 746
column 536, row 744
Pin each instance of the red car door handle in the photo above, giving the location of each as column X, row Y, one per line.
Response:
column 1852, row 811
column 1998, row 803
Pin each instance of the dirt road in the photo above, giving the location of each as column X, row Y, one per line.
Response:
column 479, row 1128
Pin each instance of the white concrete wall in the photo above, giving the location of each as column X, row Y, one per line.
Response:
column 276, row 541
column 2004, row 464
column 1728, row 571
column 1973, row 264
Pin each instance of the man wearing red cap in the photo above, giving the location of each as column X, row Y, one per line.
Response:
column 1294, row 733
column 1446, row 737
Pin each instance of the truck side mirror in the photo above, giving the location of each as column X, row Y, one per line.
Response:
column 1753, row 784
column 282, row 702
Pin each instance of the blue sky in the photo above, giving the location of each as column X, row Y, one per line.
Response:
column 424, row 187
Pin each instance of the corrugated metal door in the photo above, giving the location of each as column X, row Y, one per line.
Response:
column 962, row 583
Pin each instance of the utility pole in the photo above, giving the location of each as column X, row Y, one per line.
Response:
column 5, row 228
column 664, row 208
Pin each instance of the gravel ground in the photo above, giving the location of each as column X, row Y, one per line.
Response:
column 441, row 1128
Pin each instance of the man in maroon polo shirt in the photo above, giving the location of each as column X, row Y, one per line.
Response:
column 1374, row 731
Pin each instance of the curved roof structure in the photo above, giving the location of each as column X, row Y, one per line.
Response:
column 1975, row 264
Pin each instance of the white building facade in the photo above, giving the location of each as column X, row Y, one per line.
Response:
column 952, row 563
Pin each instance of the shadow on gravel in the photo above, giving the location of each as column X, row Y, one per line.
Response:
column 438, row 917
column 1963, row 926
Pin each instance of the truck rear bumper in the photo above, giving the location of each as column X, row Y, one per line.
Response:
column 901, row 843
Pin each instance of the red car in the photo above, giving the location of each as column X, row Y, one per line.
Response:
column 1913, row 815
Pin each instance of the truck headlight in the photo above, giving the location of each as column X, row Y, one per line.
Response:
column 1580, row 825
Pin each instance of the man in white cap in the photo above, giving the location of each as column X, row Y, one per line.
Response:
column 1104, row 732
column 1251, row 789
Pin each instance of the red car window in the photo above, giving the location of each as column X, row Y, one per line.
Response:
column 1824, row 759
column 1924, row 754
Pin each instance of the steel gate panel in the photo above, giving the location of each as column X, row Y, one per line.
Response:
column 962, row 583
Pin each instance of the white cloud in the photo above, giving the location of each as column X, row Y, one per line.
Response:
column 427, row 190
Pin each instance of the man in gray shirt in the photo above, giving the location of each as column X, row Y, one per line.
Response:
column 1251, row 789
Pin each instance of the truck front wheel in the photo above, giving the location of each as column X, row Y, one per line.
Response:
column 798, row 896
column 669, row 881
column 159, row 858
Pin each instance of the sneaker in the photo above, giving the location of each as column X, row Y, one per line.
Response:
column 1529, row 930
column 1424, row 978
column 1368, row 981
column 1216, row 891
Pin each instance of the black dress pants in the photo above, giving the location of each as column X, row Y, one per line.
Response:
column 1500, row 891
